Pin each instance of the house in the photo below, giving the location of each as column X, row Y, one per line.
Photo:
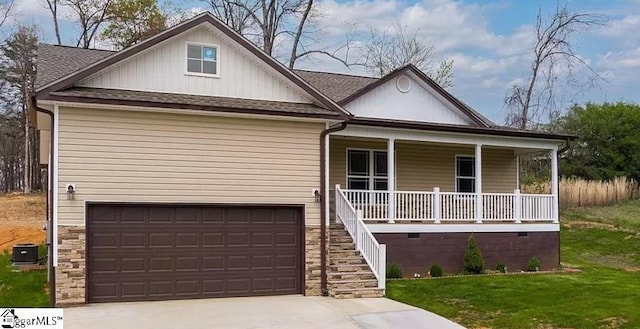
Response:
column 193, row 165
column 8, row 318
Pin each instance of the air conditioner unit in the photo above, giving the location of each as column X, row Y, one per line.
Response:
column 25, row 254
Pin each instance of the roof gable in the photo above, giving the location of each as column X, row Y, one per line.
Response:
column 425, row 101
column 284, row 75
column 162, row 68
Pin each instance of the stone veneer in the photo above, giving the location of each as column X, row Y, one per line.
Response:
column 71, row 270
column 312, row 267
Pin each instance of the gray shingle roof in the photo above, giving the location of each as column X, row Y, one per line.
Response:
column 55, row 62
column 182, row 101
column 336, row 86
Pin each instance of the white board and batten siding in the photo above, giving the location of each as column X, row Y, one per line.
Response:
column 162, row 68
column 420, row 103
column 126, row 156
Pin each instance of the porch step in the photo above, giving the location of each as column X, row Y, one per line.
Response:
column 352, row 284
column 341, row 254
column 357, row 293
column 345, row 268
column 349, row 275
column 340, row 239
column 353, row 260
column 341, row 246
column 359, row 275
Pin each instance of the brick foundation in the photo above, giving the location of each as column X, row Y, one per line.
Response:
column 417, row 253
column 71, row 270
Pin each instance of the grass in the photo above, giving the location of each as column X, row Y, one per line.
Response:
column 604, row 242
column 22, row 289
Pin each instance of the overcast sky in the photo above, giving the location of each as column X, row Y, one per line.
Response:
column 489, row 41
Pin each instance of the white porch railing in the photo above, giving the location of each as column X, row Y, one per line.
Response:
column 452, row 207
column 374, row 253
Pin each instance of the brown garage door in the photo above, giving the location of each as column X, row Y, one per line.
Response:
column 154, row 252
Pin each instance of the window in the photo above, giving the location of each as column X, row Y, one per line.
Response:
column 366, row 170
column 202, row 59
column 465, row 174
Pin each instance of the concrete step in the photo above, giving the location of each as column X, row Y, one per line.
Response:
column 349, row 268
column 357, row 293
column 359, row 275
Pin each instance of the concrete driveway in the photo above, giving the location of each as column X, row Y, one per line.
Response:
column 280, row 312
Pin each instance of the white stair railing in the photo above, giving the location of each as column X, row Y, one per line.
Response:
column 374, row 253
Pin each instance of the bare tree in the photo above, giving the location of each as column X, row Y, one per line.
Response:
column 89, row 15
column 6, row 6
column 553, row 56
column 277, row 22
column 52, row 5
column 386, row 51
column 18, row 72
column 233, row 15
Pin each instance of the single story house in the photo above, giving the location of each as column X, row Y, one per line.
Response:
column 194, row 165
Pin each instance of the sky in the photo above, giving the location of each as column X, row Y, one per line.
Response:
column 490, row 42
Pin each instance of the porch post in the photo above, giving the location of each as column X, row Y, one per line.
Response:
column 554, row 184
column 391, row 179
column 478, row 183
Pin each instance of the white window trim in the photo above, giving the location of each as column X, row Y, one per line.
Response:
column 186, row 59
column 370, row 177
column 455, row 171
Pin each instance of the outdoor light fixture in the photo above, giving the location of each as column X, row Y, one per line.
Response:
column 71, row 192
column 317, row 195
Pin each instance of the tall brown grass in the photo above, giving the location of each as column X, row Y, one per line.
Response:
column 582, row 193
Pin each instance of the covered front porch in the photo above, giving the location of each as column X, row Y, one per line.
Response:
column 437, row 178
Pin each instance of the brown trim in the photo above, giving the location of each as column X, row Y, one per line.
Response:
column 302, row 228
column 50, row 209
column 472, row 114
column 323, row 214
column 205, row 17
column 89, row 100
column 303, row 249
column 495, row 131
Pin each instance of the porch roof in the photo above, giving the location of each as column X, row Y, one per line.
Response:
column 493, row 131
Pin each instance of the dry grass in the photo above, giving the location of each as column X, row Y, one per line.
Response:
column 584, row 193
column 21, row 219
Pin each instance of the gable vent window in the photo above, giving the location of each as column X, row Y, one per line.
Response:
column 202, row 59
column 403, row 83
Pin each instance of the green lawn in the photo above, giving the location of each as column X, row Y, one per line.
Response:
column 604, row 242
column 22, row 289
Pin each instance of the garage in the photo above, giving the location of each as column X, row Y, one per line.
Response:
column 139, row 252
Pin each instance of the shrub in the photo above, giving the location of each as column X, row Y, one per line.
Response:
column 435, row 271
column 394, row 271
column 534, row 264
column 501, row 267
column 473, row 261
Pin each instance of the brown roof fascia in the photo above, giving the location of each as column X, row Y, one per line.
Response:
column 459, row 129
column 137, row 103
column 205, row 17
column 472, row 115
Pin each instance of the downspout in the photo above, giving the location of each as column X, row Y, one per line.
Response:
column 323, row 204
column 567, row 145
column 50, row 174
column 560, row 151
